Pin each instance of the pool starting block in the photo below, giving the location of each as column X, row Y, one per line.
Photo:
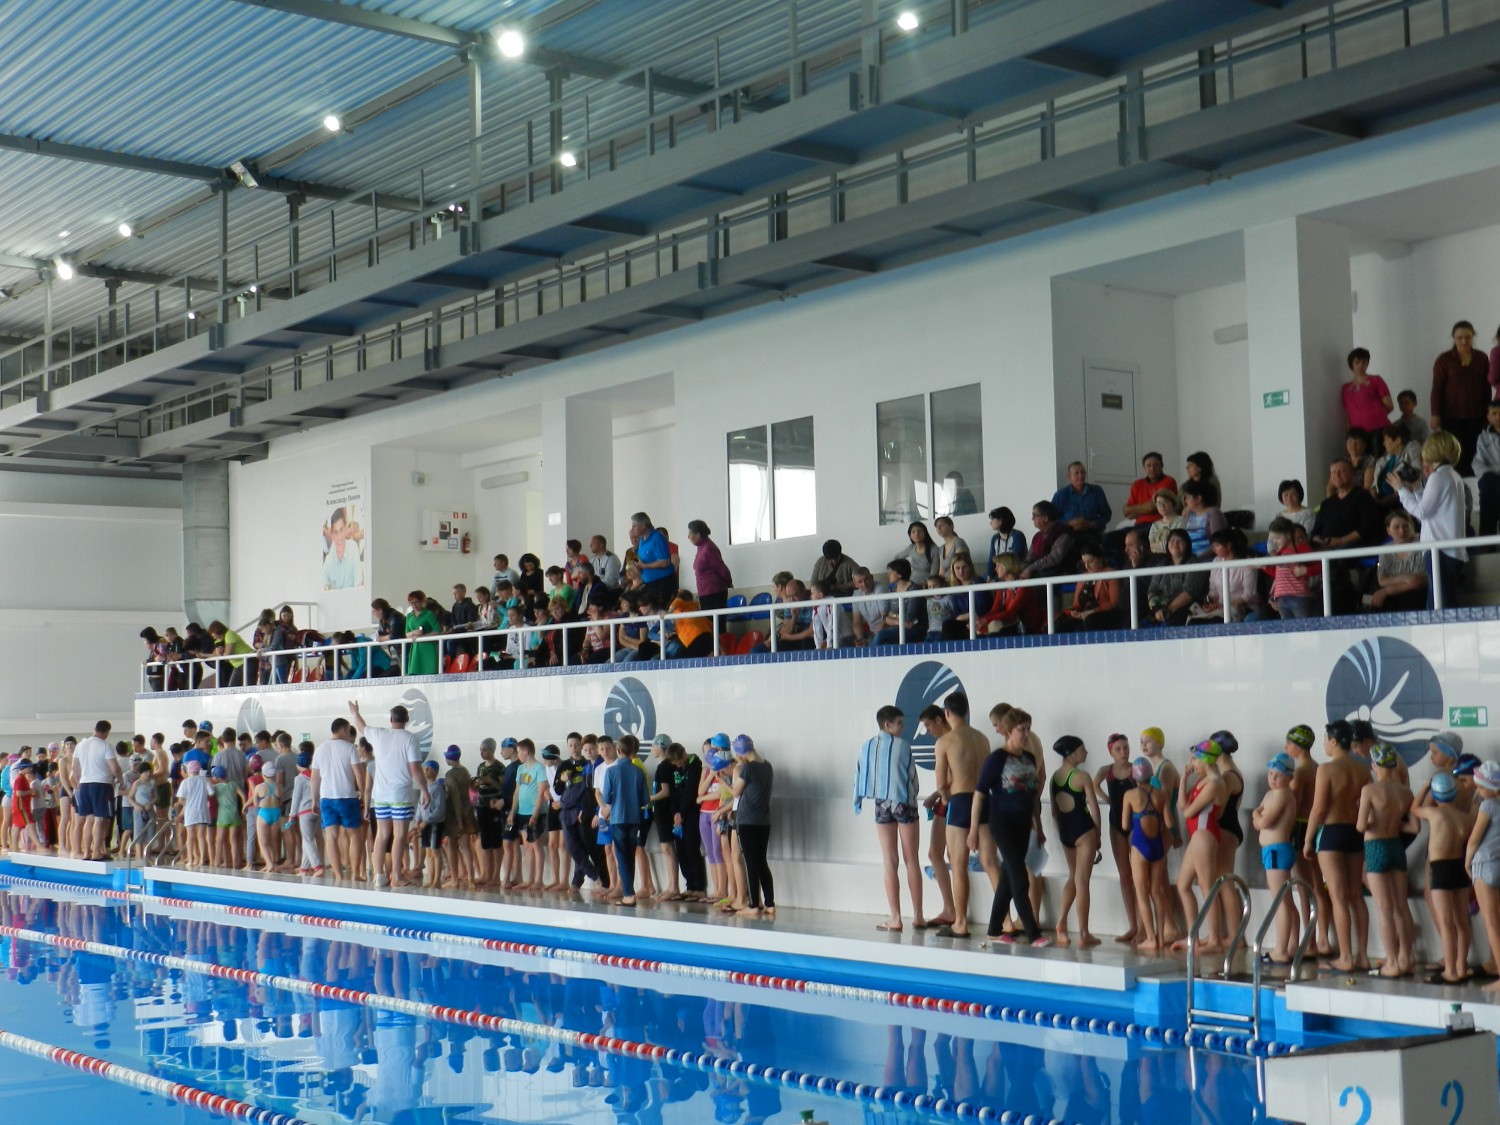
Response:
column 1446, row 1079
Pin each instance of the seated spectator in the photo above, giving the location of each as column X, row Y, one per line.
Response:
column 529, row 585
column 605, row 562
column 1098, row 603
column 1138, row 555
column 559, row 589
column 830, row 626
column 504, row 572
column 1347, row 518
column 1440, row 506
column 512, row 652
column 688, row 637
column 1292, row 584
column 963, row 605
column 1015, row 609
column 1401, row 577
column 1004, row 540
column 836, row 567
column 596, row 636
column 1171, row 596
column 1052, row 547
column 363, row 662
column 593, row 590
column 920, row 552
column 794, row 632
column 1291, row 495
column 912, row 611
column 1416, row 425
column 1200, row 468
column 1239, row 587
column 1200, row 520
column 868, row 617
column 1357, row 448
column 1169, row 518
column 1487, row 470
column 631, row 636
column 951, row 546
column 938, row 606
column 962, row 502
column 1081, row 505
column 1367, row 400
column 710, row 575
column 1401, row 450
column 632, row 577
column 1140, row 505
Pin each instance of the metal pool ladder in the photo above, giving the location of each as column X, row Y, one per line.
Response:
column 1310, row 900
column 145, row 847
column 1208, row 1017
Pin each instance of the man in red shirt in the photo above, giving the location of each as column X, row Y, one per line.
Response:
column 1140, row 505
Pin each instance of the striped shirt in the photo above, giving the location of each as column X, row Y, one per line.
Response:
column 886, row 772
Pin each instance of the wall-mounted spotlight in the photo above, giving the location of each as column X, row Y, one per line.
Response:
column 908, row 21
column 568, row 160
column 62, row 269
column 332, row 123
column 512, row 44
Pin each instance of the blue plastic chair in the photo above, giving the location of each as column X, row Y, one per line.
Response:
column 760, row 599
column 737, row 601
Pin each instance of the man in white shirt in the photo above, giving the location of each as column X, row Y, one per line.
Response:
column 338, row 792
column 398, row 780
column 606, row 563
column 98, row 773
column 504, row 572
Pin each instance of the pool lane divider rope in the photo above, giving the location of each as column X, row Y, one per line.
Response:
column 139, row 1080
column 705, row 1061
column 1230, row 1042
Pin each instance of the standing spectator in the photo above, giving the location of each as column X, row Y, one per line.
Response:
column 228, row 643
column 1440, row 508
column 1461, row 386
column 655, row 558
column 530, row 585
column 753, row 778
column 606, row 563
column 461, row 619
column 1416, row 425
column 835, row 567
column 503, row 573
column 98, row 770
column 1081, row 505
column 1004, row 540
column 1052, row 547
column 887, row 774
column 920, row 552
column 1007, row 797
column 398, row 776
column 421, row 659
column 1367, row 400
column 710, row 574
column 1348, row 518
column 158, row 659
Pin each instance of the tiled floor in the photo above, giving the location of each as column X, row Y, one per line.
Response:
column 802, row 932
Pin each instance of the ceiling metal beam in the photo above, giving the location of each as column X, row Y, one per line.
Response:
column 369, row 21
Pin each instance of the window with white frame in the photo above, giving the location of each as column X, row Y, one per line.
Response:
column 772, row 482
column 930, row 455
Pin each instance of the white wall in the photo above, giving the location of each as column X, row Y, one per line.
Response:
column 646, row 475
column 1213, row 391
column 399, row 565
column 1104, row 322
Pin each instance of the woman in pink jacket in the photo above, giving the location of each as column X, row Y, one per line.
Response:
column 710, row 574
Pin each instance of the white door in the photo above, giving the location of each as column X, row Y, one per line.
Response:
column 1109, row 422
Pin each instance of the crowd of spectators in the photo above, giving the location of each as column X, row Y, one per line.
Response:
column 1397, row 482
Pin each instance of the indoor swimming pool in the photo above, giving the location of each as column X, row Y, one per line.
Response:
column 291, row 1023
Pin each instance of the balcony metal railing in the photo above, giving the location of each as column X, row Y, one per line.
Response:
column 330, row 657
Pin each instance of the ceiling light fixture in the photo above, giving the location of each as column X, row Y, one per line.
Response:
column 63, row 270
column 512, row 44
column 568, row 160
column 908, row 21
column 332, row 123
column 63, row 233
column 243, row 174
column 192, row 315
column 126, row 230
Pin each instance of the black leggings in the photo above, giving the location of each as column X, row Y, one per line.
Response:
column 754, row 840
column 1012, row 835
column 690, row 856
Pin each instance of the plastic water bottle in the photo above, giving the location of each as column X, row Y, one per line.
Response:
column 974, row 864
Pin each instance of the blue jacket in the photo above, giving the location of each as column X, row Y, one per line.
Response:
column 1090, row 504
column 624, row 791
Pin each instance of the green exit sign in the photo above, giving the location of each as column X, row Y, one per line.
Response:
column 1468, row 716
column 1276, row 398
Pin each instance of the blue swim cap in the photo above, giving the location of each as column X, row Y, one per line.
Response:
column 220, row 773
column 304, row 760
column 1444, row 788
column 453, row 753
column 430, row 764
column 510, row 743
column 1282, row 763
column 719, row 741
column 743, row 744
column 717, row 762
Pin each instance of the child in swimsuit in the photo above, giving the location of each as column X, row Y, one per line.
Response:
column 1201, row 796
column 1448, row 829
column 1077, row 816
column 1111, row 784
column 1483, row 853
column 1384, row 813
column 1141, row 812
column 268, row 812
column 1275, row 819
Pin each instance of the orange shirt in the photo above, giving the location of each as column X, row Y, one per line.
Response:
column 689, row 629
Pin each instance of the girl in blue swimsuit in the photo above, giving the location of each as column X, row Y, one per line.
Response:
column 1141, row 812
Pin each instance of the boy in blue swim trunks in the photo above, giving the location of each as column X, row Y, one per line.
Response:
column 1385, row 813
column 1275, row 820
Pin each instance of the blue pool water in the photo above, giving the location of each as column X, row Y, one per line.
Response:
column 328, row 1060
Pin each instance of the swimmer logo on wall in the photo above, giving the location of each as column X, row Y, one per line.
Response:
column 420, row 720
column 1394, row 687
column 927, row 683
column 629, row 710
column 252, row 716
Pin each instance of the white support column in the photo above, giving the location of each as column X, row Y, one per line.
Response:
column 1300, row 311
column 578, row 481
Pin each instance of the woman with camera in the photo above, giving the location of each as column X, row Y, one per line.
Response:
column 1439, row 505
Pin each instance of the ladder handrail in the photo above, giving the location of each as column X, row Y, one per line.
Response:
column 1310, row 897
column 1209, row 901
column 145, row 847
